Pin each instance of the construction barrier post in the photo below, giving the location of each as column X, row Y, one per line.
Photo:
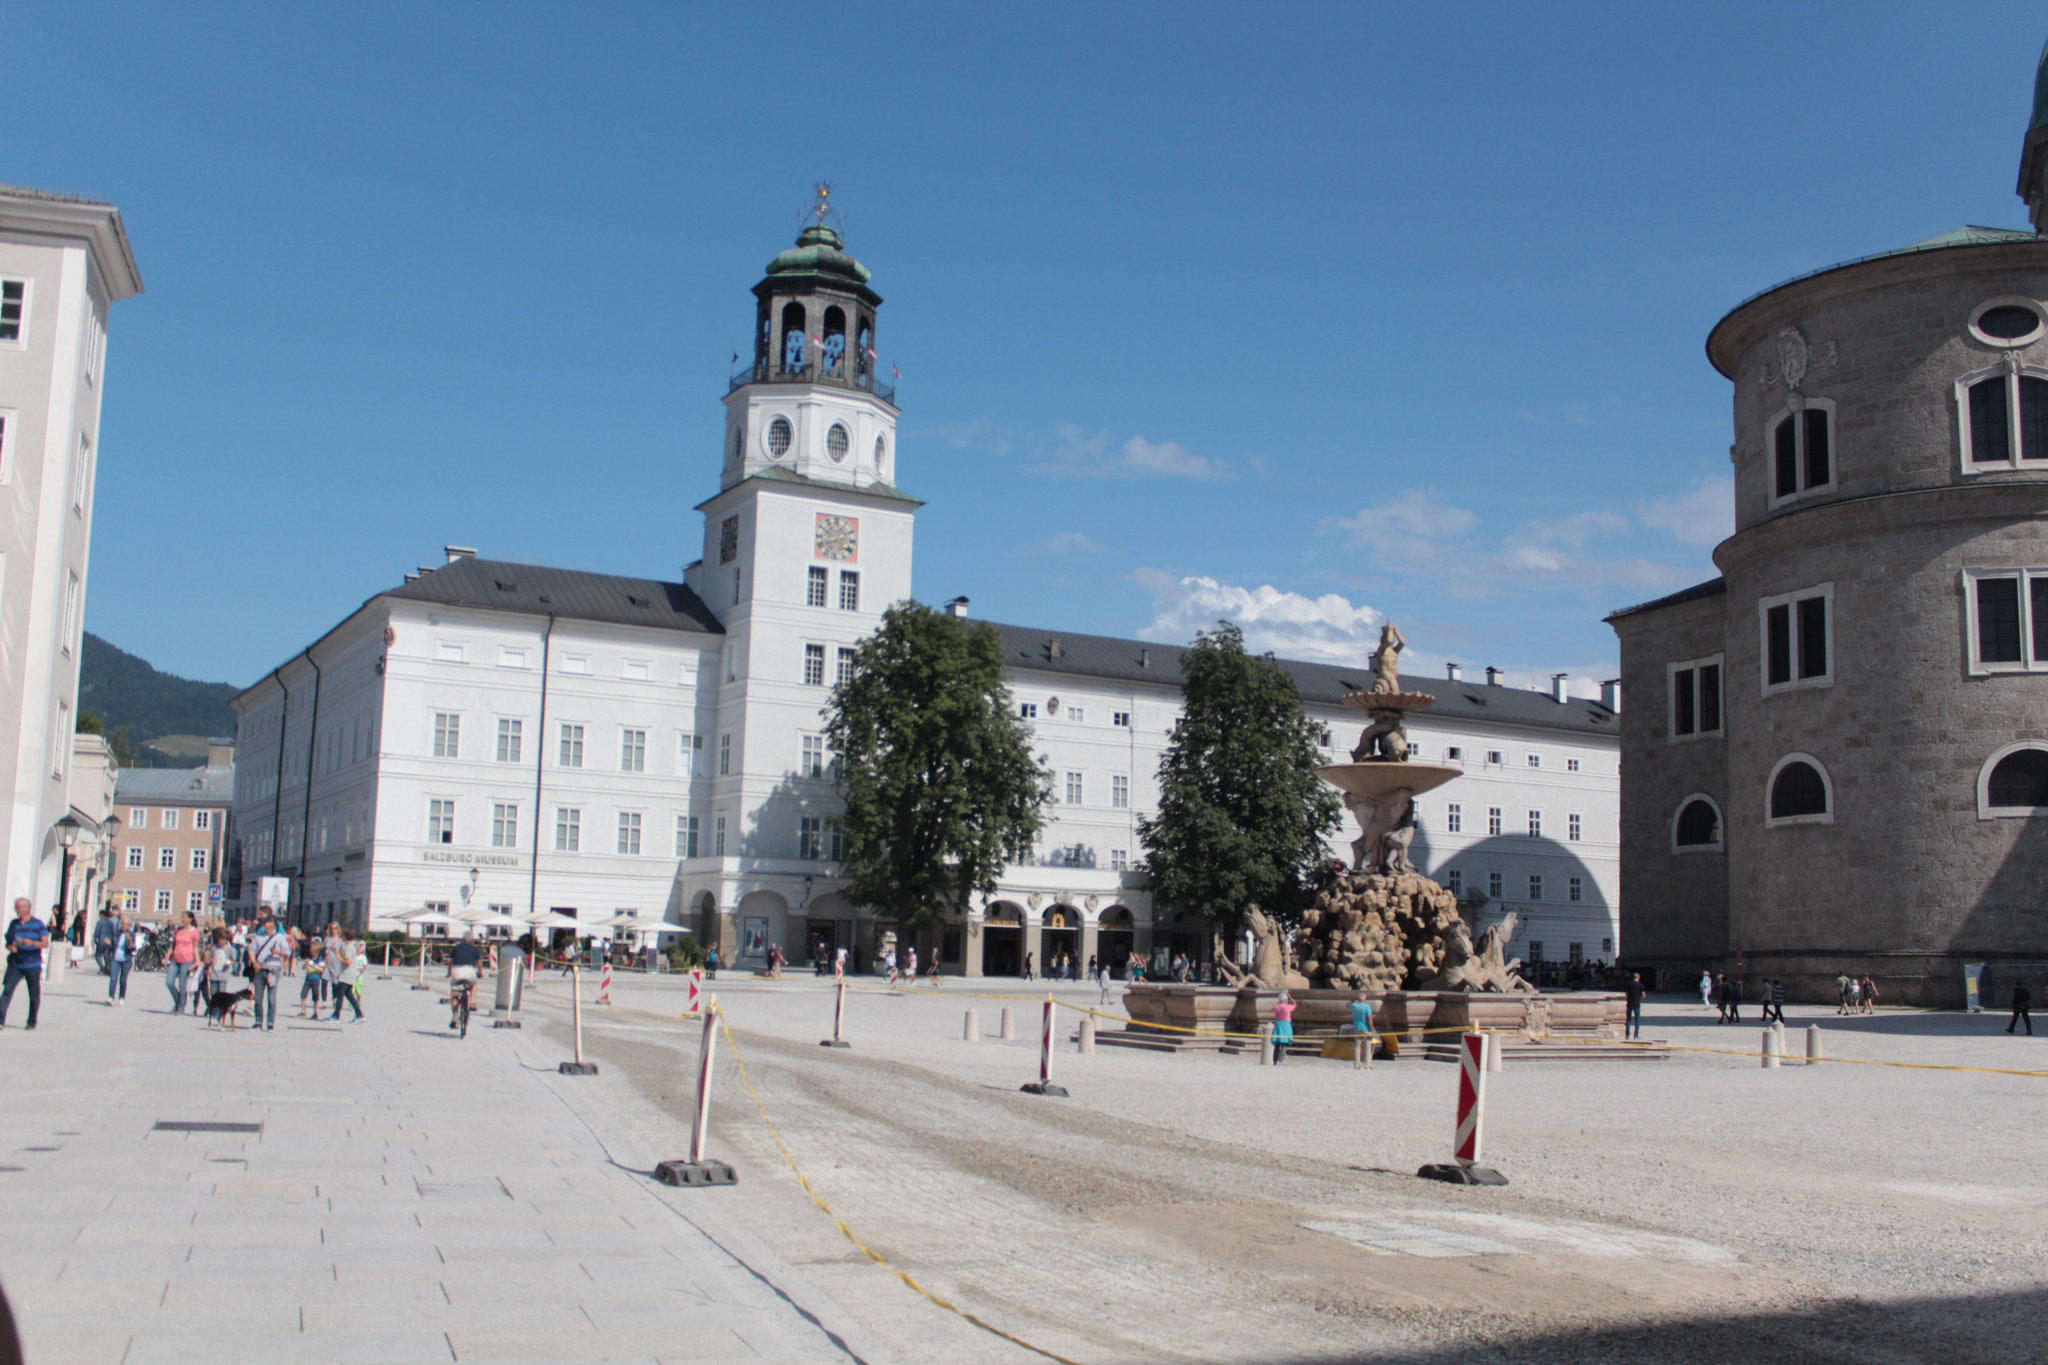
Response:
column 698, row 1171
column 1493, row 1052
column 1009, row 1025
column 1465, row 1168
column 838, row 1015
column 604, row 984
column 421, row 984
column 1770, row 1053
column 694, row 1001
column 579, row 1067
column 385, row 975
column 972, row 1031
column 1087, row 1039
column 1813, row 1057
column 1043, row 1085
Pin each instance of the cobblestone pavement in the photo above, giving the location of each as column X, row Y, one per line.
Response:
column 1206, row 1208
column 409, row 1197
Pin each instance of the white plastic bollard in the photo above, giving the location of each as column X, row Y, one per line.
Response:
column 1043, row 1085
column 1813, row 1054
column 1087, row 1038
column 1009, row 1025
column 838, row 1038
column 700, row 1125
column 1494, row 1058
column 421, row 984
column 972, row 1032
column 1770, row 1054
column 1265, row 1045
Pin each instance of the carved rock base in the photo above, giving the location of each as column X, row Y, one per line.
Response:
column 1376, row 931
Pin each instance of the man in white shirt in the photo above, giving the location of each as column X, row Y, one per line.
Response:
column 269, row 951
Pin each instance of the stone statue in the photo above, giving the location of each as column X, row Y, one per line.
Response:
column 1272, row 961
column 1382, row 741
column 1379, row 820
column 1483, row 968
column 1385, row 659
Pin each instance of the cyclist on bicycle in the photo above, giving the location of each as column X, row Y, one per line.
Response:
column 462, row 971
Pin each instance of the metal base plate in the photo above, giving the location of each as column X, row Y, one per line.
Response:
column 578, row 1068
column 694, row 1173
column 1044, row 1088
column 423, row 988
column 833, row 1042
column 504, row 1023
column 1453, row 1174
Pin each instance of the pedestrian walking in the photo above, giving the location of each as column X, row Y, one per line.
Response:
column 268, row 953
column 348, row 981
column 1868, row 990
column 1104, row 980
column 27, row 937
column 103, row 935
column 184, row 960
column 1778, row 999
column 1028, row 974
column 2022, row 1001
column 311, row 951
column 1283, row 1026
column 1632, row 1026
column 711, row 963
column 120, row 957
column 1706, row 988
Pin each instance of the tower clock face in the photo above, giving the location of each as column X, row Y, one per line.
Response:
column 838, row 537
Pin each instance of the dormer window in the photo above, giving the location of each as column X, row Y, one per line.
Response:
column 1802, row 451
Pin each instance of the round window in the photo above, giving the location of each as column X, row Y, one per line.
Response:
column 837, row 442
column 2008, row 322
column 881, row 452
column 779, row 437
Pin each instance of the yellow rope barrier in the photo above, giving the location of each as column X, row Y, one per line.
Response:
column 725, row 1027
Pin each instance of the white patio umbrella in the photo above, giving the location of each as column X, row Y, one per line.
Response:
column 431, row 919
column 552, row 921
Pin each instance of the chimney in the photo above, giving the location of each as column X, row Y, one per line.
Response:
column 220, row 753
column 1144, row 658
column 957, row 607
column 1053, row 651
column 1455, row 672
column 456, row 552
column 1610, row 695
column 1492, row 676
column 1557, row 682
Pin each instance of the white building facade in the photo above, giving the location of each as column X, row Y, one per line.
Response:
column 492, row 734
column 64, row 262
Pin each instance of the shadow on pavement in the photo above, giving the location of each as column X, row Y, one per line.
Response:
column 1983, row 1329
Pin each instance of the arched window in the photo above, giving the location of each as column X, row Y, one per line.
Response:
column 1802, row 450
column 1697, row 827
column 2004, row 419
column 835, row 340
column 2013, row 781
column 793, row 338
column 1799, row 792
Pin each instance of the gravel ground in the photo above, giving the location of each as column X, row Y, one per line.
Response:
column 1201, row 1207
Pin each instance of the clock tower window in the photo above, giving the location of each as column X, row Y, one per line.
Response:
column 834, row 344
column 793, row 338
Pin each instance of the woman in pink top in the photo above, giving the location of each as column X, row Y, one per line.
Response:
column 184, row 952
column 1283, row 1026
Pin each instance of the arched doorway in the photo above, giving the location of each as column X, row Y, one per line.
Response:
column 1061, row 942
column 1002, row 939
column 1116, row 939
column 828, row 927
column 764, row 920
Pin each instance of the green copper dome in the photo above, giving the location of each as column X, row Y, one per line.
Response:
column 818, row 251
column 2040, row 92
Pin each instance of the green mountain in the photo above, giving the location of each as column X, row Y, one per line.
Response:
column 123, row 690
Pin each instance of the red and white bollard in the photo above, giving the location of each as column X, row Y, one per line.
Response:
column 838, row 1038
column 698, row 1171
column 1043, row 1085
column 604, row 984
column 1465, row 1169
column 695, row 1000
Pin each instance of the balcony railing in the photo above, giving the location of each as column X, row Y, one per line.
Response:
column 817, row 372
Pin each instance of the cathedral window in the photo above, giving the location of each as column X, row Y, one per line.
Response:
column 1695, row 698
column 1802, row 451
column 2013, row 781
column 2003, row 419
column 780, row 435
column 2007, row 322
column 1798, row 638
column 1697, row 826
column 1799, row 793
column 2007, row 620
column 837, row 443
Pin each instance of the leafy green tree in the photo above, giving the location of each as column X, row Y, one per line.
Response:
column 1242, row 816
column 89, row 723
column 941, row 788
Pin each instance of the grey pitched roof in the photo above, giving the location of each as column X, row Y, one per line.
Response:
column 1706, row 589
column 498, row 585
column 1098, row 656
column 212, row 786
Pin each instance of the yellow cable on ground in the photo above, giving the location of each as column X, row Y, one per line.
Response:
column 725, row 1027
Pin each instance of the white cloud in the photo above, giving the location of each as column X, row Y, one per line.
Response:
column 1329, row 628
column 1087, row 456
column 1702, row 515
column 1064, row 543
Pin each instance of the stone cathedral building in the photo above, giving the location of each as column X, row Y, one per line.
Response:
column 1848, row 767
column 493, row 735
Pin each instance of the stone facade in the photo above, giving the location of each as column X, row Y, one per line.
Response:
column 1906, row 873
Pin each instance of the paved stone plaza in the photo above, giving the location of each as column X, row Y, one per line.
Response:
column 414, row 1197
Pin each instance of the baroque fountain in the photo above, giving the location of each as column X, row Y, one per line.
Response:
column 1383, row 930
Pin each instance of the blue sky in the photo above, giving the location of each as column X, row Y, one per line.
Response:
column 1302, row 315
